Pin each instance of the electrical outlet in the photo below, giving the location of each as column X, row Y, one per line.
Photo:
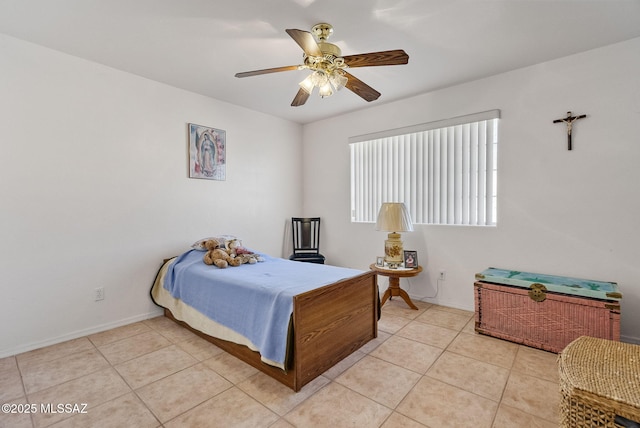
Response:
column 443, row 275
column 99, row 293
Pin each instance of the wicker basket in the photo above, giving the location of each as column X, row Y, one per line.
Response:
column 599, row 379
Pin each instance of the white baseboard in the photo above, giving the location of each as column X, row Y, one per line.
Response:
column 79, row 333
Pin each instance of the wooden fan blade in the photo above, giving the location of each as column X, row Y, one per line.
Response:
column 396, row 57
column 267, row 71
column 306, row 41
column 360, row 88
column 301, row 97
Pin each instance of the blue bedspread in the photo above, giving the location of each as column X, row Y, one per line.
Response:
column 253, row 300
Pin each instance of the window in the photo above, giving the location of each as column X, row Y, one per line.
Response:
column 445, row 171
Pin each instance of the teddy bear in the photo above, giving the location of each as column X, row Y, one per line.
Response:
column 234, row 247
column 218, row 256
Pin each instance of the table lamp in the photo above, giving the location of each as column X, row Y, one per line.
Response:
column 393, row 217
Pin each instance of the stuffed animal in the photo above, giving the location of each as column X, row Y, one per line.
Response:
column 236, row 250
column 249, row 258
column 218, row 256
column 234, row 247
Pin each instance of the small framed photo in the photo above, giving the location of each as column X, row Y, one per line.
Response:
column 411, row 259
column 380, row 261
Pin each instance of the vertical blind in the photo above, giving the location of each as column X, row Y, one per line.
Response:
column 445, row 171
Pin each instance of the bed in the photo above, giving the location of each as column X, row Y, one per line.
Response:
column 309, row 316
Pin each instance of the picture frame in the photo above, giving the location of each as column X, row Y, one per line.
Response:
column 410, row 259
column 207, row 152
column 380, row 261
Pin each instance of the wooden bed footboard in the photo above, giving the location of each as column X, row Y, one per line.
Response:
column 329, row 323
column 332, row 322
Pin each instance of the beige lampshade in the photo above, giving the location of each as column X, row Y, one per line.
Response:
column 394, row 217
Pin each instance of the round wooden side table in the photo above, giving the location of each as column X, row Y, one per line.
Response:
column 394, row 282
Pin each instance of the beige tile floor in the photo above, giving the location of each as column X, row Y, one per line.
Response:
column 427, row 368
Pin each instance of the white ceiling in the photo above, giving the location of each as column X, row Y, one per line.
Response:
column 199, row 45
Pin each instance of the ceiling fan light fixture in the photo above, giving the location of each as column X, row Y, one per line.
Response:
column 324, row 81
column 325, row 90
column 327, row 65
column 338, row 80
column 319, row 78
column 308, row 84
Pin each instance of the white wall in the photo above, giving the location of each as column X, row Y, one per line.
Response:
column 94, row 190
column 562, row 212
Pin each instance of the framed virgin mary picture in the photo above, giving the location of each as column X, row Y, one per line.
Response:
column 207, row 152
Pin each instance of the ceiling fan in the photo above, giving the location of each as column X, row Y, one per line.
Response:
column 328, row 66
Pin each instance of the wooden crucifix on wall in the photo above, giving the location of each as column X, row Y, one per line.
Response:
column 569, row 121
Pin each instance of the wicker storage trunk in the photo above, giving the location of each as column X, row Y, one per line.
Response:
column 544, row 311
column 599, row 383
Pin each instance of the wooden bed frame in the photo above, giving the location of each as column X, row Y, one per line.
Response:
column 329, row 323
